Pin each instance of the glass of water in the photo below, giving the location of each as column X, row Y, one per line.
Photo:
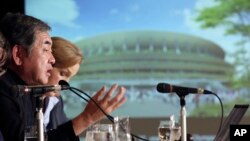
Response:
column 100, row 132
column 169, row 131
column 122, row 128
column 164, row 130
column 175, row 133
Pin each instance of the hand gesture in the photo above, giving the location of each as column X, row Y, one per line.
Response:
column 106, row 100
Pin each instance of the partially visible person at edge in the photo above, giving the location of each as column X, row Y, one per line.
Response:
column 30, row 63
column 3, row 55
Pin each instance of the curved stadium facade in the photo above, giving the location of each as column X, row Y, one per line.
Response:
column 139, row 60
column 147, row 57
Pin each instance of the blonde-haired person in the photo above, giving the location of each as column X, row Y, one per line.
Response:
column 68, row 59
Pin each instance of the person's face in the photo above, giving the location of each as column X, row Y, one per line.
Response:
column 58, row 74
column 38, row 64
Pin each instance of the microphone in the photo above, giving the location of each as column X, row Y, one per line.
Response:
column 167, row 88
column 37, row 90
column 64, row 83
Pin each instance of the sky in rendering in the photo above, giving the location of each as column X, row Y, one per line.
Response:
column 78, row 19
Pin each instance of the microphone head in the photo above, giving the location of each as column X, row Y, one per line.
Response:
column 64, row 84
column 164, row 88
column 168, row 88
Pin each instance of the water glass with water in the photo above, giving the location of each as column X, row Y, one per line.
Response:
column 122, row 128
column 100, row 132
column 168, row 130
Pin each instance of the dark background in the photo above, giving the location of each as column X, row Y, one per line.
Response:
column 14, row 6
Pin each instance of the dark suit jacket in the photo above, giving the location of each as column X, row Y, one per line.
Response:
column 57, row 114
column 17, row 111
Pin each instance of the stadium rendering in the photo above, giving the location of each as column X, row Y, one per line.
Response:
column 143, row 58
column 139, row 60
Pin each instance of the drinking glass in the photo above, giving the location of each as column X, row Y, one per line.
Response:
column 169, row 131
column 122, row 128
column 164, row 130
column 100, row 132
column 175, row 133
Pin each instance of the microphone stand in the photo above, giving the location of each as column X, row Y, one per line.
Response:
column 183, row 114
column 39, row 117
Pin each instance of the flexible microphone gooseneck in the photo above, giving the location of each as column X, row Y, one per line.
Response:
column 73, row 90
column 111, row 118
